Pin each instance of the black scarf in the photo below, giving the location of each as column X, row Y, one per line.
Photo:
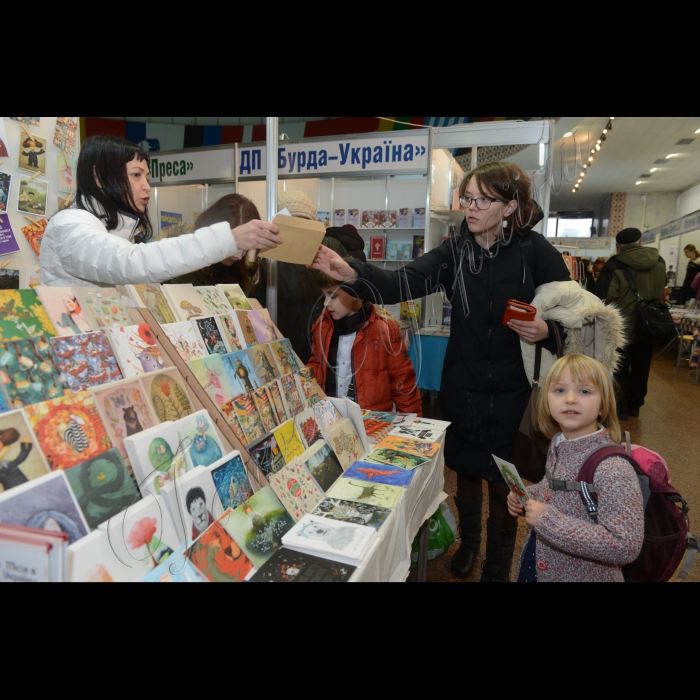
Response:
column 346, row 326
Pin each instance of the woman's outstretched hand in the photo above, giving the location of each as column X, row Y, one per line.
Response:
column 329, row 262
column 257, row 235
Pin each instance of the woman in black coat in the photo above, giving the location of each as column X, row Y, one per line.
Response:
column 485, row 389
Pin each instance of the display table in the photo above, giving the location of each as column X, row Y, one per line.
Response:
column 428, row 358
column 390, row 562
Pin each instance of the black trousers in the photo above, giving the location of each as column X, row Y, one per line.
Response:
column 633, row 375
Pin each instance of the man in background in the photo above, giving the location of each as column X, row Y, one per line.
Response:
column 648, row 271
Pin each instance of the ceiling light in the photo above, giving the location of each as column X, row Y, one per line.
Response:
column 653, row 170
column 641, row 182
column 671, row 155
column 569, row 134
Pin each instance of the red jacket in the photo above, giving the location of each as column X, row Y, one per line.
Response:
column 384, row 374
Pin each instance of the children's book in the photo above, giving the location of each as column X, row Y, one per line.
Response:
column 244, row 329
column 64, row 310
column 309, row 389
column 103, row 486
column 235, row 297
column 297, row 490
column 168, row 395
column 320, row 461
column 21, row 460
column 512, row 478
column 308, row 428
column 186, row 339
column 418, row 245
column 366, row 493
column 340, row 217
column 406, row 251
column 326, row 414
column 151, row 297
column 213, row 300
column 30, row 372
column 86, row 361
column 262, row 403
column 419, row 217
column 267, row 455
column 229, row 331
column 289, row 442
column 355, row 218
column 265, row 330
column 231, row 481
column 395, row 458
column 259, row 525
column 389, row 219
column 342, row 542
column 354, row 513
column 249, row 418
column 211, row 374
column 410, row 446
column 69, row 430
column 102, row 307
column 136, row 350
column 287, row 566
column 404, row 218
column 218, row 557
column 377, row 248
column 23, row 316
column 345, row 443
column 184, row 301
column 125, row 412
column 285, row 357
column 378, row 474
column 209, row 330
column 32, row 556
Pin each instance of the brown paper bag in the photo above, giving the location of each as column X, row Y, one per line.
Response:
column 302, row 239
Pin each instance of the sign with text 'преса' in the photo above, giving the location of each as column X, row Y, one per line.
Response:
column 193, row 166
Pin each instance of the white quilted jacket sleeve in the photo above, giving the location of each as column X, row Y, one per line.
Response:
column 77, row 245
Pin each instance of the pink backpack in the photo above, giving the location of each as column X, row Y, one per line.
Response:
column 668, row 543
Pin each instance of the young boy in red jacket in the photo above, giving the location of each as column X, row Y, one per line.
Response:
column 358, row 352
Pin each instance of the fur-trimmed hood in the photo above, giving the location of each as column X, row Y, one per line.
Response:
column 593, row 329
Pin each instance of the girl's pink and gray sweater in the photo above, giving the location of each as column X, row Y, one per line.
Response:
column 570, row 546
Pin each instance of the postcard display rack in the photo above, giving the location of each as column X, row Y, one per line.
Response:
column 37, row 166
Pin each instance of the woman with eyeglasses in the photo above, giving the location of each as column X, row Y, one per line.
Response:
column 485, row 390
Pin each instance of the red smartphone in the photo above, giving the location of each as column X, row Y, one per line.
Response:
column 519, row 311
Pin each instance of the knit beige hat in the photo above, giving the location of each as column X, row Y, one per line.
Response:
column 299, row 204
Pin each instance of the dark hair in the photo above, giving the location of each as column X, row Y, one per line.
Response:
column 9, row 437
column 692, row 249
column 509, row 182
column 194, row 495
column 104, row 158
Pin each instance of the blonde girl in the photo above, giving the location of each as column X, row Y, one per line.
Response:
column 577, row 411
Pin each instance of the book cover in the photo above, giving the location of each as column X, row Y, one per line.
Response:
column 186, row 340
column 404, row 218
column 273, row 390
column 308, row 428
column 326, row 414
column 340, row 218
column 324, row 217
column 249, row 418
column 231, row 481
column 209, row 330
column 406, row 251
column 235, row 297
column 168, row 395
column 259, row 525
column 86, row 361
column 389, row 219
column 176, row 569
column 287, row 566
column 370, row 219
column 512, row 478
column 229, row 412
column 411, row 312
column 291, row 395
column 264, row 363
column 125, row 412
column 289, row 442
column 244, row 329
column 418, row 246
column 410, row 446
column 46, row 503
column 377, row 248
column 394, row 458
column 64, row 311
column 69, row 430
column 30, row 372
column 103, row 307
column 184, row 301
column 392, row 251
column 296, row 490
column 285, row 357
column 355, row 218
column 211, row 374
column 366, row 493
column 262, row 403
column 355, row 513
column 309, row 389
column 27, row 556
column 419, row 217
column 265, row 330
column 320, row 461
column 21, row 460
column 345, row 443
column 213, row 300
column 378, row 474
column 241, row 372
column 230, row 332
column 217, row 556
column 23, row 316
column 267, row 455
column 152, row 297
column 136, row 350
column 103, row 486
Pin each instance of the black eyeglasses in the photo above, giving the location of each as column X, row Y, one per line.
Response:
column 482, row 203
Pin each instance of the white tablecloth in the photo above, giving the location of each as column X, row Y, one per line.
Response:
column 390, row 562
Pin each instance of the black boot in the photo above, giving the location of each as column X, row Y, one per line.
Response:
column 470, row 533
column 500, row 549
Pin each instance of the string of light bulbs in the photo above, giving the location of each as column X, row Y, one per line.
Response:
column 594, row 152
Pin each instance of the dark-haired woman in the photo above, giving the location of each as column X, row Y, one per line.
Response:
column 485, row 390
column 93, row 242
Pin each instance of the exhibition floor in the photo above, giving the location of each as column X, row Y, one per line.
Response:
column 667, row 425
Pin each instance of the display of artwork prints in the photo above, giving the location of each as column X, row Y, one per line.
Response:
column 291, row 395
column 308, row 428
column 262, row 403
column 185, row 303
column 289, row 442
column 103, row 307
column 135, row 349
column 211, row 374
column 32, row 154
column 344, row 441
column 259, row 525
column 285, row 357
column 30, row 372
column 265, row 330
column 217, row 556
column 249, row 418
column 244, row 329
column 23, row 316
column 64, row 134
column 230, row 332
column 355, row 513
column 67, row 169
column 320, row 461
column 69, row 430
column 86, row 361
column 211, row 335
column 168, row 395
column 410, row 446
column 186, row 340
column 46, row 503
column 103, row 486
column 21, row 460
column 366, row 493
column 264, row 363
column 379, row 474
column 394, row 458
column 326, row 414
column 242, row 374
column 213, row 300
column 125, row 412
column 235, row 296
column 231, row 481
column 309, row 389
column 152, row 297
column 64, row 310
column 296, row 490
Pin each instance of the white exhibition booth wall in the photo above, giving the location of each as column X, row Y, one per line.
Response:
column 672, row 239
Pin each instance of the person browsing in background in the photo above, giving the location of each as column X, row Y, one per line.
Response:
column 94, row 243
column 349, row 237
column 648, row 270
column 299, row 298
column 691, row 252
column 577, row 412
column 359, row 353
column 598, row 266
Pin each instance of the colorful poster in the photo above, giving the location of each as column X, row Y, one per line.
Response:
column 33, row 197
column 64, row 134
column 32, row 154
column 168, row 220
column 86, row 361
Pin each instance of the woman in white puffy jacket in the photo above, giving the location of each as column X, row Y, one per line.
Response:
column 95, row 243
